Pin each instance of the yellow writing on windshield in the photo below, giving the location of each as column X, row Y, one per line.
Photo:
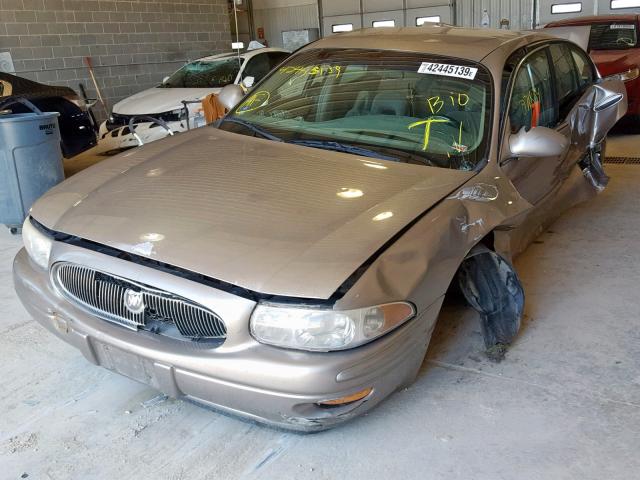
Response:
column 427, row 128
column 437, row 102
column 311, row 70
column 255, row 101
column 458, row 146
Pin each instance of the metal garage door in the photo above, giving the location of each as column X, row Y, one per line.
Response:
column 344, row 15
column 552, row 10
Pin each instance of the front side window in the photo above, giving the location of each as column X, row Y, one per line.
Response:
column 613, row 36
column 532, row 102
column 205, row 74
column 407, row 107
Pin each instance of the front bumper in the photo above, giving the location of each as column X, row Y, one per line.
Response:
column 271, row 385
column 120, row 137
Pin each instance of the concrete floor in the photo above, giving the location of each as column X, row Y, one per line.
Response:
column 564, row 404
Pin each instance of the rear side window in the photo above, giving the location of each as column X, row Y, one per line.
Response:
column 567, row 86
column 584, row 68
column 613, row 36
column 532, row 100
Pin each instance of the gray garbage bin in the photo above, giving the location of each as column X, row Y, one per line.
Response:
column 30, row 160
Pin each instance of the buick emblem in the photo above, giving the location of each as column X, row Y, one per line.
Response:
column 134, row 301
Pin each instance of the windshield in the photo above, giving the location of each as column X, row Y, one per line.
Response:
column 407, row 107
column 205, row 74
column 613, row 36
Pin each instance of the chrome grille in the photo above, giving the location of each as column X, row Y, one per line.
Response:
column 103, row 295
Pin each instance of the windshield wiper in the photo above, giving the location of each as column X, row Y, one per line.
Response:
column 253, row 127
column 341, row 147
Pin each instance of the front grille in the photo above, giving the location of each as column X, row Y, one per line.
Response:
column 107, row 297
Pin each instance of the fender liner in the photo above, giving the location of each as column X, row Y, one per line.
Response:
column 491, row 286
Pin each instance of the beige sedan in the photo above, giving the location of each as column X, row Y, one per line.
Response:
column 289, row 263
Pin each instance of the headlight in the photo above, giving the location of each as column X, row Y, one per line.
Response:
column 37, row 244
column 324, row 330
column 629, row 75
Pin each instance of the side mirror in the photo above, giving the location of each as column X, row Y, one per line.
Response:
column 608, row 105
column 165, row 79
column 538, row 142
column 248, row 82
column 230, row 96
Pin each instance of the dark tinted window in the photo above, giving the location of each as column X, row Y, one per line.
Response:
column 276, row 58
column 567, row 87
column 613, row 36
column 257, row 67
column 532, row 101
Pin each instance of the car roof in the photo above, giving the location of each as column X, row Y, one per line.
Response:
column 629, row 17
column 468, row 43
column 245, row 55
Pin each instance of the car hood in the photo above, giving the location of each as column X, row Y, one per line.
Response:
column 255, row 213
column 160, row 100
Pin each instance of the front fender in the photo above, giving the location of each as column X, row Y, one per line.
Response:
column 420, row 265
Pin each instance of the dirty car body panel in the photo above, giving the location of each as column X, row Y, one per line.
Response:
column 324, row 246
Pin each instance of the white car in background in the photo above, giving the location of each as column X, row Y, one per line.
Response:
column 177, row 100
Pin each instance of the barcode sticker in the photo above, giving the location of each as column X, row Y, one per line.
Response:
column 459, row 71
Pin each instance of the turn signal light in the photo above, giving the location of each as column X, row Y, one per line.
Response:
column 354, row 397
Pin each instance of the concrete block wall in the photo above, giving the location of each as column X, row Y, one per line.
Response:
column 133, row 44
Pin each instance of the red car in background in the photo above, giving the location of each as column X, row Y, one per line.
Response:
column 613, row 45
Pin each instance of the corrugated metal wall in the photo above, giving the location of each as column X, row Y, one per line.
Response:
column 358, row 13
column 364, row 13
column 518, row 12
column 279, row 18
